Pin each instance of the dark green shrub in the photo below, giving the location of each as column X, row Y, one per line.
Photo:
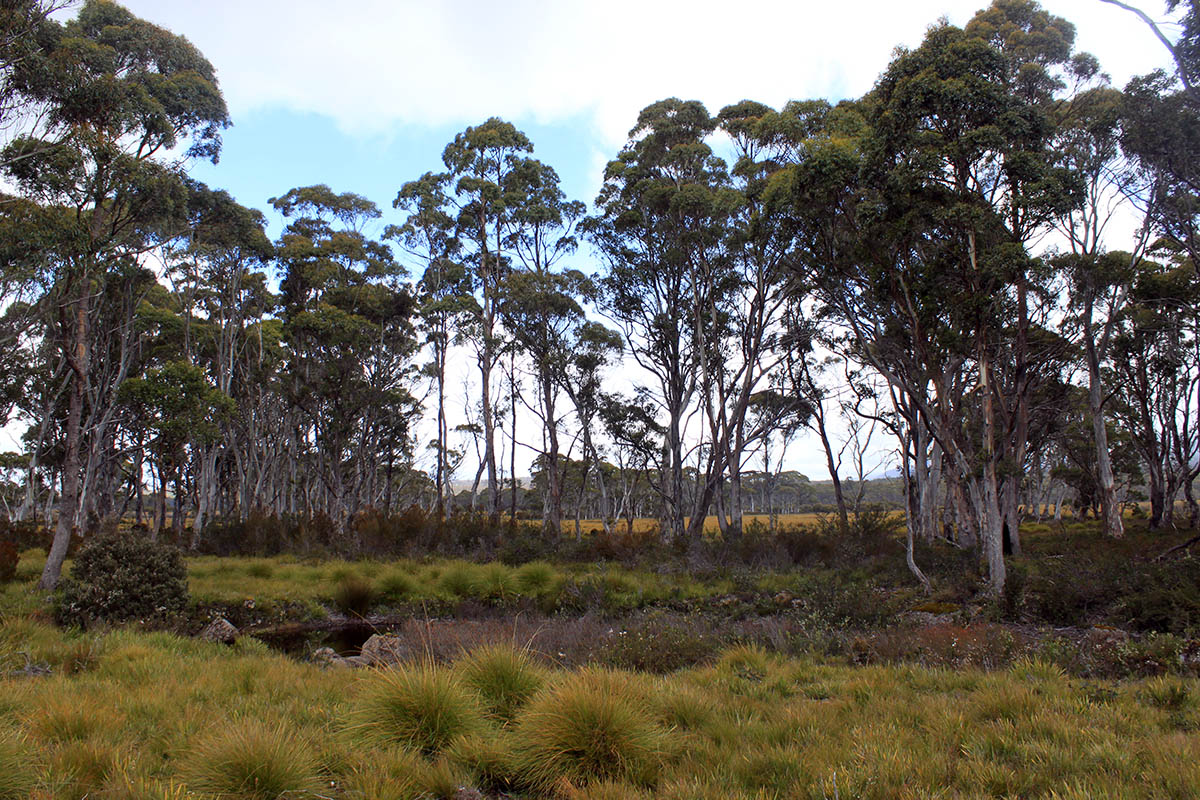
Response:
column 25, row 534
column 118, row 577
column 1164, row 597
column 8, row 560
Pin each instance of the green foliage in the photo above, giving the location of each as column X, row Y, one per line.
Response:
column 417, row 706
column 119, row 577
column 589, row 728
column 252, row 761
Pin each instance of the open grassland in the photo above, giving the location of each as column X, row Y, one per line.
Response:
column 830, row 678
column 151, row 715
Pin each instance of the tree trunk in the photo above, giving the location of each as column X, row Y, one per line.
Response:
column 68, row 505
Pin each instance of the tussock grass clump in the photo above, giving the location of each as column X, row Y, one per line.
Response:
column 503, row 676
column 354, row 595
column 397, row 585
column 419, row 707
column 260, row 569
column 459, row 580
column 536, row 578
column 588, row 729
column 84, row 769
column 396, row 774
column 684, row 707
column 747, row 662
column 251, row 761
column 18, row 775
column 67, row 720
column 489, row 757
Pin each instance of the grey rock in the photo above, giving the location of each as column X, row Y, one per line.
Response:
column 220, row 630
column 326, row 656
column 382, row 650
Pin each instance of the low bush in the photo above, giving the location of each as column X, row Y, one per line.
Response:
column 9, row 558
column 252, row 761
column 659, row 643
column 119, row 577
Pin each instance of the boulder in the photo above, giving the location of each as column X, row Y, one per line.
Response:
column 328, row 657
column 382, row 649
column 220, row 630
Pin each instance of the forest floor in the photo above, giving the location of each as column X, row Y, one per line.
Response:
column 830, row 677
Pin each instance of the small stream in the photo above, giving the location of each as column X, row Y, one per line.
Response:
column 346, row 637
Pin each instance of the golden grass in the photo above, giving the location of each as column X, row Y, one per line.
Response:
column 164, row 717
column 711, row 525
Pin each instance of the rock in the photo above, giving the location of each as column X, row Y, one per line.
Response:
column 327, row 656
column 381, row 649
column 463, row 793
column 220, row 630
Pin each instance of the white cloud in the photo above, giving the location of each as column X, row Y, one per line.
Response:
column 374, row 64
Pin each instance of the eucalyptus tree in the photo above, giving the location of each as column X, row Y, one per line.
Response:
column 484, row 162
column 663, row 213
column 1156, row 361
column 593, row 348
column 223, row 263
column 121, row 99
column 541, row 305
column 1087, row 140
column 346, row 326
column 443, row 295
column 181, row 408
column 914, row 235
column 1030, row 189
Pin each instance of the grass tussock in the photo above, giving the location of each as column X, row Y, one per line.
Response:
column 18, row 773
column 419, row 706
column 588, row 729
column 253, row 761
column 504, row 677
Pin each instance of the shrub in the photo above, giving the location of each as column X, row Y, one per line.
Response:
column 419, row 707
column 9, row 557
column 658, row 643
column 25, row 534
column 120, row 577
column 588, row 729
column 354, row 595
column 253, row 762
column 504, row 677
column 17, row 775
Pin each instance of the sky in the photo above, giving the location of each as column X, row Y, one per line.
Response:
column 363, row 96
